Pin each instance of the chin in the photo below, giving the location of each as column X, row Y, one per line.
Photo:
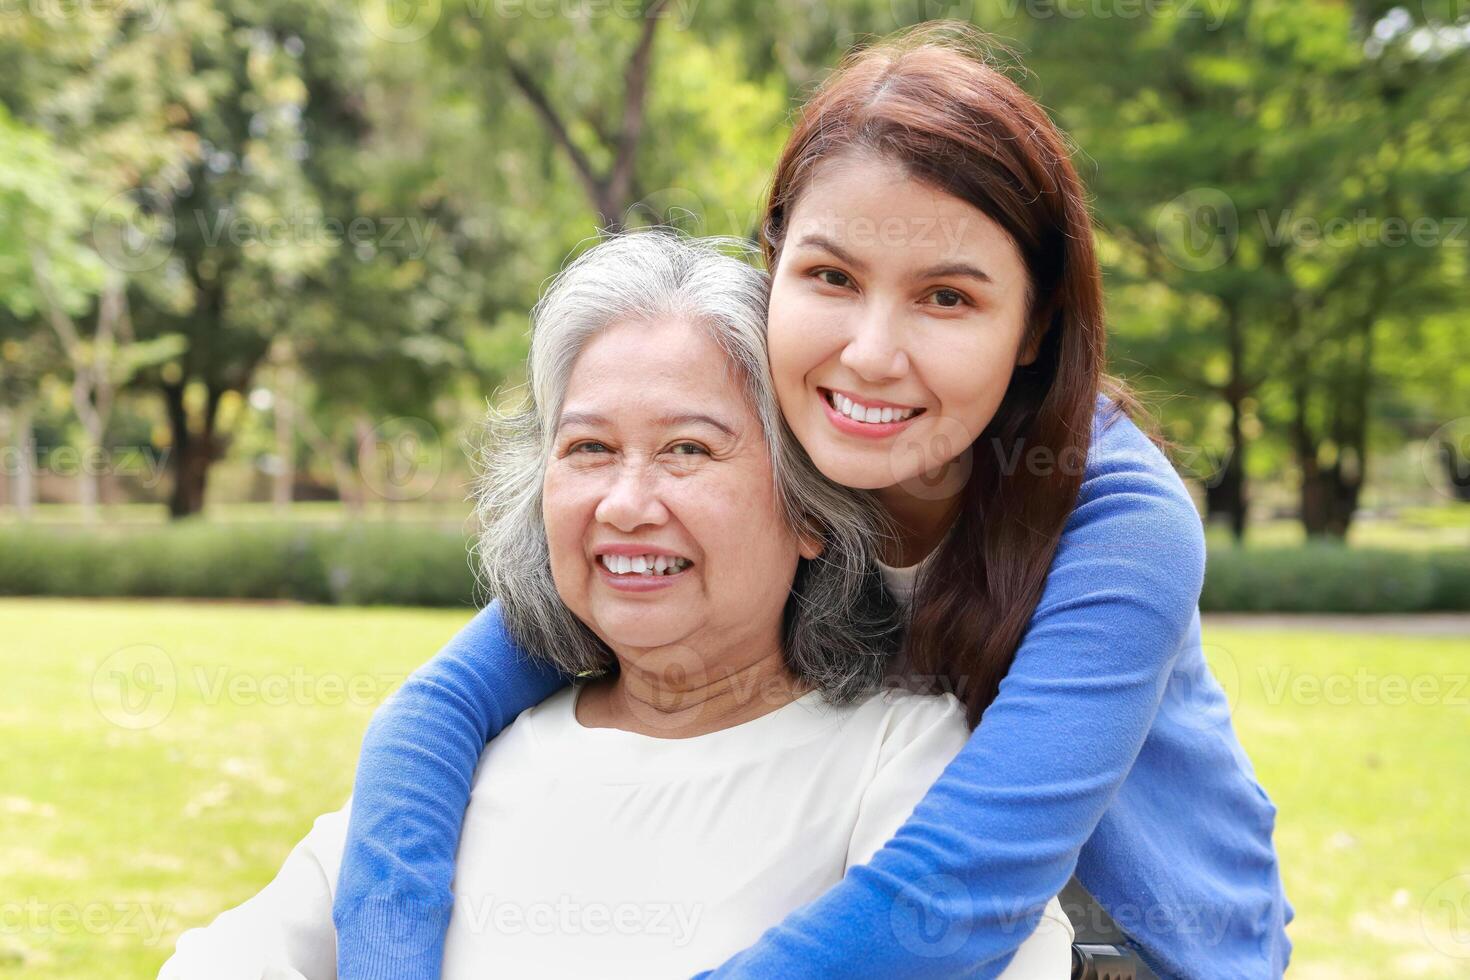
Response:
column 638, row 632
column 860, row 471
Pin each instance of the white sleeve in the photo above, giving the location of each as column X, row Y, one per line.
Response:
column 284, row 931
column 923, row 733
column 1047, row 953
column 916, row 750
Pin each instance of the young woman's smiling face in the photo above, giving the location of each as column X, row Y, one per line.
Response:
column 897, row 316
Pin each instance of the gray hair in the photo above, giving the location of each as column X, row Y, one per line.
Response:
column 839, row 624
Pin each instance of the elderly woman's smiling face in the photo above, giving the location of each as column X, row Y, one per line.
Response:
column 660, row 507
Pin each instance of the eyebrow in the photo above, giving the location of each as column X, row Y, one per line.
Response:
column 665, row 421
column 933, row 272
column 956, row 269
column 814, row 240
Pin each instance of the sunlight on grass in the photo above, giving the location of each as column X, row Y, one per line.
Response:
column 124, row 820
column 1363, row 743
column 163, row 757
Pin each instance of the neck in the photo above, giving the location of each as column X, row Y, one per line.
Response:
column 920, row 523
column 670, row 694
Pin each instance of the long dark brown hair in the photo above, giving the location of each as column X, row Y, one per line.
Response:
column 931, row 101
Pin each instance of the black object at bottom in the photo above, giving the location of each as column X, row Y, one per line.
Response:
column 1100, row 950
column 1092, row 962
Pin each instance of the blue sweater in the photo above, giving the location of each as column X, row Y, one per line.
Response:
column 1109, row 751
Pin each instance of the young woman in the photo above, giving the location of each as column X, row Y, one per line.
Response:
column 936, row 331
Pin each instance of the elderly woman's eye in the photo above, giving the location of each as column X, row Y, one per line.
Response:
column 588, row 446
column 688, row 449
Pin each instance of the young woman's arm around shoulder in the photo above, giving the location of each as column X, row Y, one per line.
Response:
column 419, row 755
column 965, row 880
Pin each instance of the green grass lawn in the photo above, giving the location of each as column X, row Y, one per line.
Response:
column 161, row 759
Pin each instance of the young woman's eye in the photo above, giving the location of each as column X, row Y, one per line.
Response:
column 948, row 298
column 833, row 277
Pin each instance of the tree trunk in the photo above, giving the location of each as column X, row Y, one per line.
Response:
column 285, row 476
column 344, row 471
column 1341, row 484
column 611, row 192
column 88, row 479
column 1228, row 493
column 367, row 459
column 1304, row 447
column 194, row 452
column 1330, row 492
column 23, row 476
column 1235, row 498
column 1456, row 467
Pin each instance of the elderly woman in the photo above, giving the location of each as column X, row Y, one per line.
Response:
column 650, row 526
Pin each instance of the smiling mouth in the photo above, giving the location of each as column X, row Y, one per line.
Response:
column 651, row 565
column 867, row 414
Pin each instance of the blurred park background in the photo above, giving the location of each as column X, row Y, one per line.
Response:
column 264, row 264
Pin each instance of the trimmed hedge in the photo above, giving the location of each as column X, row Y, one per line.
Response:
column 429, row 565
column 349, row 564
column 1327, row 578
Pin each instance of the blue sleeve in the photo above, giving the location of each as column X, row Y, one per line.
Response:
column 963, row 883
column 419, row 755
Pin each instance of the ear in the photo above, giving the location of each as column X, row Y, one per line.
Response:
column 1030, row 349
column 810, row 546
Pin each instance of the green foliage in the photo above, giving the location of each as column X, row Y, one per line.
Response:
column 40, row 210
column 218, row 153
column 1332, row 578
column 398, row 564
column 1451, row 581
column 387, row 564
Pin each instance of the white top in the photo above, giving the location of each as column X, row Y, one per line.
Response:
column 901, row 582
column 600, row 852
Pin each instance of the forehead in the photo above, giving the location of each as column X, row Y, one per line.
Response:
column 872, row 206
column 656, row 363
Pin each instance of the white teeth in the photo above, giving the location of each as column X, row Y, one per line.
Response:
column 864, row 413
column 649, row 565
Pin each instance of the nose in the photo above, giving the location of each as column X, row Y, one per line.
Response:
column 874, row 351
column 633, row 499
